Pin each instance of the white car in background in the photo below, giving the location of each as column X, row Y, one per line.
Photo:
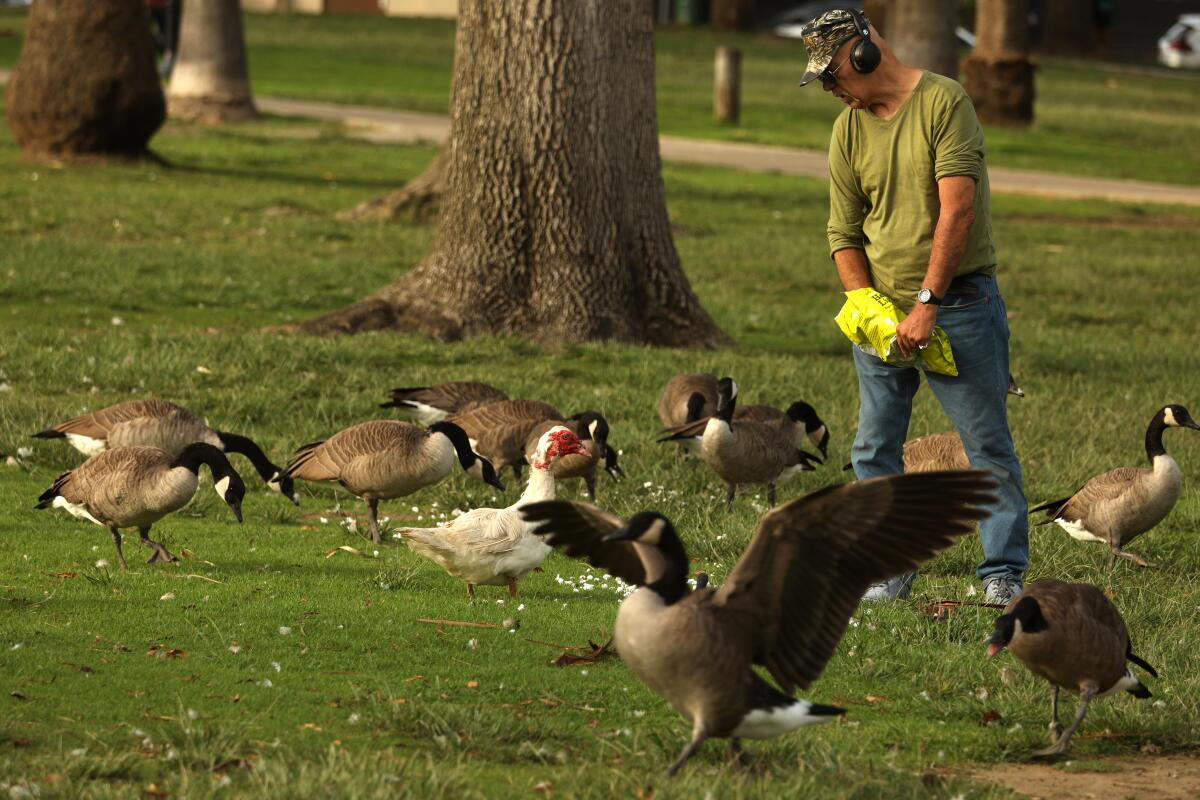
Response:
column 1180, row 46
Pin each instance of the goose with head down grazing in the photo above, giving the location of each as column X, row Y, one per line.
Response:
column 135, row 487
column 495, row 546
column 430, row 404
column 1117, row 506
column 686, row 398
column 1074, row 637
column 386, row 459
column 498, row 431
column 784, row 606
column 166, row 425
column 743, row 451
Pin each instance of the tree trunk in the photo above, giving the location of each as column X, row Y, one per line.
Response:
column 554, row 225
column 731, row 14
column 876, row 13
column 419, row 200
column 86, row 84
column 1068, row 30
column 922, row 34
column 998, row 73
column 210, row 82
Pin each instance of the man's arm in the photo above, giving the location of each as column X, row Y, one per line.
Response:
column 957, row 214
column 852, row 268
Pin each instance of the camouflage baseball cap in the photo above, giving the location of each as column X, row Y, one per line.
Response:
column 823, row 36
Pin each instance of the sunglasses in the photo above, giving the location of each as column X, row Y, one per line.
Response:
column 828, row 77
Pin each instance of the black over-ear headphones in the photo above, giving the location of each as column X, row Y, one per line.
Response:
column 865, row 56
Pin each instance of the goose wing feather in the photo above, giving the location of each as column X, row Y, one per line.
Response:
column 810, row 560
column 99, row 424
column 578, row 530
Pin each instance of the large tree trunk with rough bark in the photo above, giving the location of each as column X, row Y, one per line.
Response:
column 86, row 83
column 922, row 34
column 1068, row 28
column 554, row 225
column 210, row 82
column 998, row 73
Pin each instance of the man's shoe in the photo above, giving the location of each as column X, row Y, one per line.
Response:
column 897, row 588
column 1002, row 590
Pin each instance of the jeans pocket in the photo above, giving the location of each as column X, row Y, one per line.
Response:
column 968, row 296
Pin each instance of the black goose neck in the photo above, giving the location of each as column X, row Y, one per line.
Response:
column 695, row 405
column 458, row 438
column 1154, row 438
column 198, row 453
column 671, row 584
column 233, row 443
column 726, row 404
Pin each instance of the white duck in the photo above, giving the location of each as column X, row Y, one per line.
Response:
column 495, row 546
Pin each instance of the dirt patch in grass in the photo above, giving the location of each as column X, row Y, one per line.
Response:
column 1146, row 778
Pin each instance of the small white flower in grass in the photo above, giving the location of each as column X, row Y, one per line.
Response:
column 117, row 321
column 235, row 648
column 17, row 646
column 925, row 696
column 415, row 509
column 324, row 520
column 277, row 666
column 191, row 713
column 521, row 607
column 982, row 693
column 647, row 484
column 639, row 714
column 168, row 596
column 78, row 751
column 222, row 781
column 583, row 672
column 971, row 591
column 95, row 547
column 1160, row 704
column 472, row 644
column 138, row 732
column 375, row 553
column 353, row 719
column 284, row 630
column 1016, row 727
column 102, row 562
column 24, row 452
column 266, row 683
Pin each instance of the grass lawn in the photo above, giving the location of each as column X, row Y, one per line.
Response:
column 265, row 666
column 406, row 64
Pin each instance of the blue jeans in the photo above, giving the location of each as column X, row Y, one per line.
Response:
column 974, row 317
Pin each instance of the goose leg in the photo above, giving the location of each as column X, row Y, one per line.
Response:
column 512, row 587
column 729, row 497
column 737, row 755
column 589, row 481
column 1056, row 727
column 1119, row 553
column 160, row 553
column 471, row 591
column 373, row 509
column 771, row 495
column 1060, row 747
column 516, row 468
column 116, row 537
column 698, row 737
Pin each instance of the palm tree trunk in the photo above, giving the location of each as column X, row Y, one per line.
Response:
column 922, row 34
column 210, row 82
column 998, row 73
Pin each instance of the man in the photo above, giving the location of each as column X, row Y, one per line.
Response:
column 909, row 216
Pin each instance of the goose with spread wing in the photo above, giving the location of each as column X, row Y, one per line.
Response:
column 784, row 606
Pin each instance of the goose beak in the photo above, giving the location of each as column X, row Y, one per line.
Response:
column 993, row 648
column 237, row 511
column 1192, row 424
column 615, row 470
column 809, row 459
column 295, row 498
column 495, row 482
column 620, row 534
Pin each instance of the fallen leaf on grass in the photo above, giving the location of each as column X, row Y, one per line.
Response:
column 875, row 698
column 15, row 695
column 472, row 684
column 22, row 743
column 345, row 548
column 309, row 726
column 237, row 698
column 990, row 717
column 543, row 787
column 235, row 763
column 158, row 651
column 597, row 652
column 63, row 575
column 154, row 791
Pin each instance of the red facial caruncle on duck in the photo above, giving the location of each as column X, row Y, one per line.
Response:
column 562, row 442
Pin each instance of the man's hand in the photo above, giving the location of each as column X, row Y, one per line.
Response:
column 915, row 331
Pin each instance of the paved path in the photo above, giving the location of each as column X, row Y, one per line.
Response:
column 387, row 125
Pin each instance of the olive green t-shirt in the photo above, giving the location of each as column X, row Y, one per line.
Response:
column 883, row 195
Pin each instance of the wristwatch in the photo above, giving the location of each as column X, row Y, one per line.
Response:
column 927, row 297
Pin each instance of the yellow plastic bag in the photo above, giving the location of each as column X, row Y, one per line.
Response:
column 869, row 320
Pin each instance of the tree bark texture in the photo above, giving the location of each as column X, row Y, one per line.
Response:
column 921, row 32
column 998, row 73
column 210, row 82
column 554, row 225
column 86, row 83
column 876, row 13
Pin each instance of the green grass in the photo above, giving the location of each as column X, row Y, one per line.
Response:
column 358, row 699
column 406, row 64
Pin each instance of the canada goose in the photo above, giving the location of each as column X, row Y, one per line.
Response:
column 495, row 546
column 799, row 421
column 784, row 606
column 134, row 487
column 386, row 459
column 498, row 430
column 1074, row 637
column 592, row 429
column 430, row 404
column 161, row 423
column 686, row 398
column 1117, row 506
column 743, row 451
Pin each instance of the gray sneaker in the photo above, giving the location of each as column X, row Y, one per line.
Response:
column 1002, row 590
column 897, row 588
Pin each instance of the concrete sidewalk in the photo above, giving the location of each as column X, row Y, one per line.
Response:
column 385, row 125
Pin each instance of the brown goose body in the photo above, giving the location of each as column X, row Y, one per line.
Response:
column 673, row 403
column 386, row 459
column 135, row 487
column 430, row 404
column 1117, row 506
column 784, row 606
column 165, row 425
column 1071, row 635
column 499, row 430
column 592, row 430
column 935, row 453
